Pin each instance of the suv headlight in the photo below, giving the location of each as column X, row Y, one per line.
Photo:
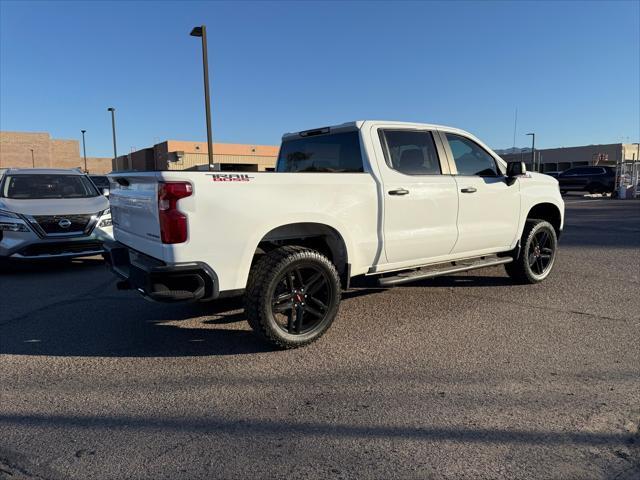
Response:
column 6, row 225
column 7, row 213
column 106, row 222
column 13, row 227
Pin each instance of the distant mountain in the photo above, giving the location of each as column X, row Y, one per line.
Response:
column 508, row 151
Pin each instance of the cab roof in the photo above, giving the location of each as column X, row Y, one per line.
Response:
column 360, row 124
column 43, row 171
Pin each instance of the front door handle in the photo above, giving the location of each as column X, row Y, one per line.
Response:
column 469, row 190
column 399, row 191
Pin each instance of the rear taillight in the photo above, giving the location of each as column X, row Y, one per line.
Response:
column 173, row 223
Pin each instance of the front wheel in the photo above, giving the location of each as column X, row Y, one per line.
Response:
column 292, row 296
column 539, row 243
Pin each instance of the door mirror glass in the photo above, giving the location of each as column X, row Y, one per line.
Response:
column 516, row 168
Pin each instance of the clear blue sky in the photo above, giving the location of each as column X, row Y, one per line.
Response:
column 572, row 69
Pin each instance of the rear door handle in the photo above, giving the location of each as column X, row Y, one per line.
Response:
column 399, row 191
column 469, row 190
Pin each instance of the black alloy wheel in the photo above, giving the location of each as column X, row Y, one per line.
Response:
column 541, row 252
column 292, row 296
column 535, row 261
column 302, row 298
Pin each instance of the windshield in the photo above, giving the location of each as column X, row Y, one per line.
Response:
column 29, row 186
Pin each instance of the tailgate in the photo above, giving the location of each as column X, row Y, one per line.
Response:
column 134, row 210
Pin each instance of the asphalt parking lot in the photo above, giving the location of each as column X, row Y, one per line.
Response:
column 467, row 376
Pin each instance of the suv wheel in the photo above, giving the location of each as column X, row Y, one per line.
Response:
column 292, row 296
column 539, row 243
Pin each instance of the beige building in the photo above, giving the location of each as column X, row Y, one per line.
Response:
column 181, row 155
column 31, row 149
column 560, row 159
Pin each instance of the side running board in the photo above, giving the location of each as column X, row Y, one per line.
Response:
column 443, row 269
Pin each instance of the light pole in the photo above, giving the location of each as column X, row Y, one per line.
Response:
column 533, row 150
column 33, row 159
column 84, row 151
column 201, row 31
column 113, row 128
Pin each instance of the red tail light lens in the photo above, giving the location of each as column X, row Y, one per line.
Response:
column 173, row 223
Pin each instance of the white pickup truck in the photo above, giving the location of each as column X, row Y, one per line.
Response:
column 399, row 201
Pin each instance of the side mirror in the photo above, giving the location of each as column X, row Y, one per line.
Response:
column 515, row 169
column 105, row 192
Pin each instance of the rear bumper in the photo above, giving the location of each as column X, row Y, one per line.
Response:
column 158, row 281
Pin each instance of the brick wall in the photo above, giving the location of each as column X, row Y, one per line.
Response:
column 98, row 165
column 15, row 149
column 65, row 154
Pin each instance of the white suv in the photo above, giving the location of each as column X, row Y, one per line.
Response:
column 50, row 214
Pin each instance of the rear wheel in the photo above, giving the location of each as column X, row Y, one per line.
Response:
column 539, row 243
column 292, row 296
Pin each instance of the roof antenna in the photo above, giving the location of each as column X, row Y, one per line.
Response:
column 515, row 124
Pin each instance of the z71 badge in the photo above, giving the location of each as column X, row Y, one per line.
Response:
column 230, row 177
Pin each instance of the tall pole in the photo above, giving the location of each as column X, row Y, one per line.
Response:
column 533, row 151
column 84, row 151
column 113, row 129
column 33, row 159
column 201, row 31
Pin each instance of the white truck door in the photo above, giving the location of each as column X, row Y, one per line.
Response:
column 489, row 208
column 420, row 196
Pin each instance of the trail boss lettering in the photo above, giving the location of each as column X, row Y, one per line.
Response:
column 230, row 177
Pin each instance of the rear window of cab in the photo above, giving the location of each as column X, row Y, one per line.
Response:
column 330, row 153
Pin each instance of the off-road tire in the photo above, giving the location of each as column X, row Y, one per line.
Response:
column 263, row 279
column 520, row 269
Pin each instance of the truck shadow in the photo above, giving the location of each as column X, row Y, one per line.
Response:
column 109, row 323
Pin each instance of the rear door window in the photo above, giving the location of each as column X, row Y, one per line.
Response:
column 471, row 158
column 411, row 152
column 329, row 153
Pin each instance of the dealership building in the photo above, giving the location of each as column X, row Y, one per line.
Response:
column 183, row 155
column 560, row 159
column 39, row 150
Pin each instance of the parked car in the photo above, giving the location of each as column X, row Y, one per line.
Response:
column 594, row 179
column 51, row 214
column 555, row 174
column 101, row 182
column 397, row 201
